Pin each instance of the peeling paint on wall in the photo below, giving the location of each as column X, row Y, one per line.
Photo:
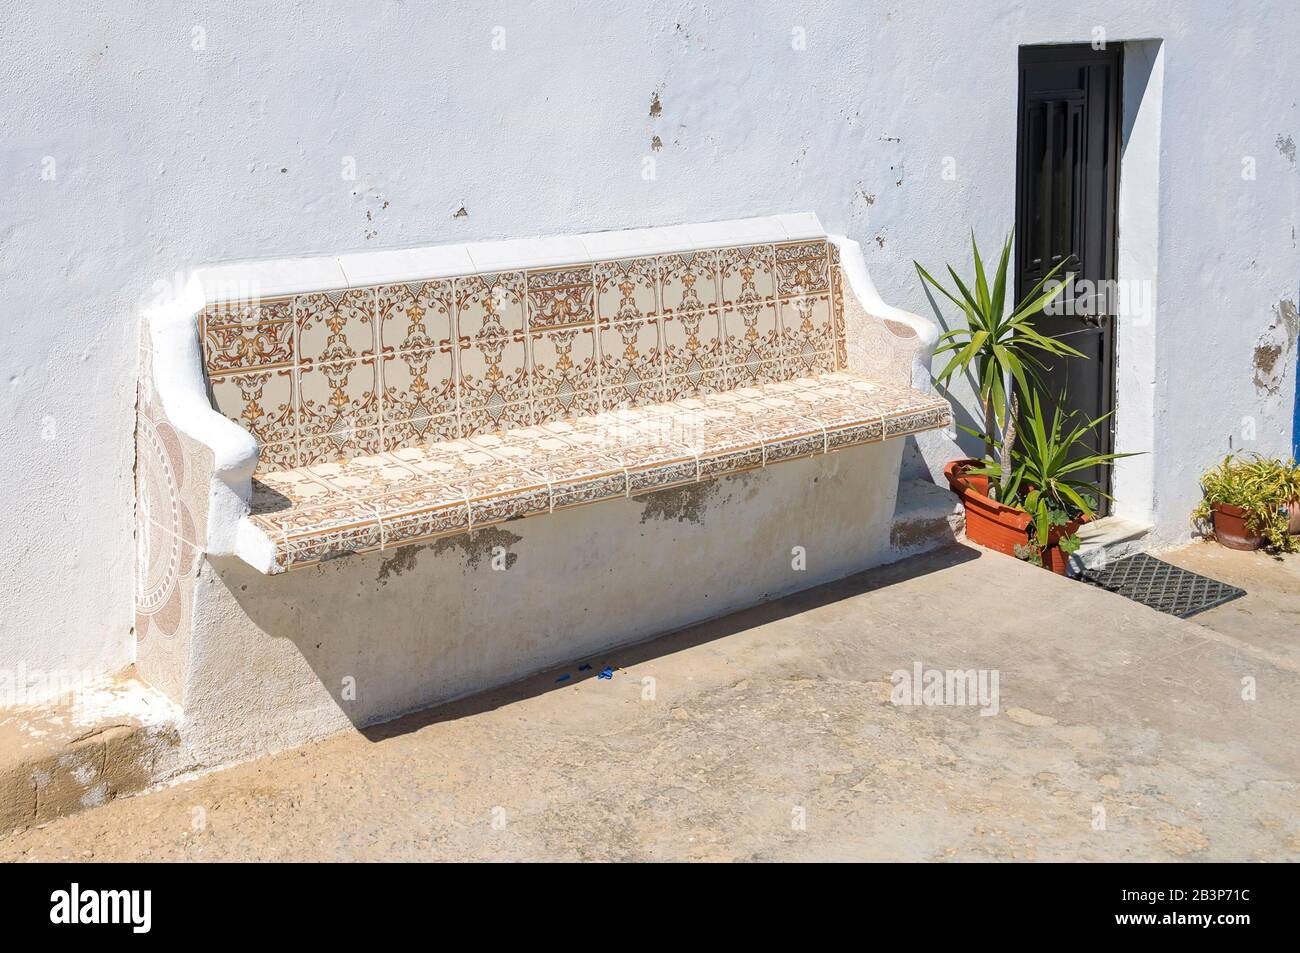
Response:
column 1277, row 340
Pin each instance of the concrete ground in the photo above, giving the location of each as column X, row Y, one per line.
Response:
column 1119, row 734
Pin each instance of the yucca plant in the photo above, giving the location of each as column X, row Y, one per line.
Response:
column 1041, row 473
column 1000, row 345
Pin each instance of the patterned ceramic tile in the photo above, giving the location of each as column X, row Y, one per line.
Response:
column 695, row 385
column 693, row 343
column 262, row 402
column 688, row 282
column 418, row 384
column 401, row 525
column 560, row 298
column 366, row 476
column 276, row 456
column 492, row 350
column 237, row 347
column 318, row 547
column 496, row 416
column 748, row 276
column 807, row 329
column 837, row 311
column 631, row 362
column 339, row 445
column 417, row 316
column 335, row 328
column 248, row 310
column 420, row 430
column 627, row 291
column 753, row 336
column 566, row 404
column 802, row 269
column 337, row 396
column 425, row 490
column 563, row 361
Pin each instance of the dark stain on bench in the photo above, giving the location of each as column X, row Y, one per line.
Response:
column 685, row 504
column 479, row 544
column 403, row 558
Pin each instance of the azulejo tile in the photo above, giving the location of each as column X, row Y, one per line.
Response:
column 837, row 311
column 420, row 430
column 566, row 404
column 333, row 397
column 662, row 474
column 276, row 456
column 335, row 328
column 331, row 508
column 631, row 365
column 318, row 547
column 748, row 276
column 418, row 384
column 311, row 519
column 232, row 348
column 802, row 269
column 753, row 372
column 417, row 316
column 627, row 291
column 247, row 311
column 496, row 415
column 693, row 343
column 806, row 329
column 753, row 336
column 261, row 401
column 401, row 525
column 560, row 298
column 339, row 445
column 580, row 491
column 731, row 459
column 563, row 361
column 408, row 411
column 695, row 384
column 688, row 282
column 492, row 355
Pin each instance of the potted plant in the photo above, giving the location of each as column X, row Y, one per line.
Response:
column 1042, row 499
column 1247, row 503
column 1003, row 352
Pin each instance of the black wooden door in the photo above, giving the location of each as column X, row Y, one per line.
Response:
column 1067, row 179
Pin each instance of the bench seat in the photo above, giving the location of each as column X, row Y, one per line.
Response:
column 426, row 490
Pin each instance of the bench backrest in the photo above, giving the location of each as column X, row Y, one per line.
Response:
column 343, row 372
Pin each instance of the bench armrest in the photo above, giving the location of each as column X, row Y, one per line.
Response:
column 178, row 381
column 882, row 340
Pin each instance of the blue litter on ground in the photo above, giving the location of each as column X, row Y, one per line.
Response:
column 584, row 668
column 607, row 673
column 563, row 678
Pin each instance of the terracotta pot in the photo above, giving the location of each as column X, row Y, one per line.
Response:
column 997, row 527
column 1293, row 517
column 1230, row 527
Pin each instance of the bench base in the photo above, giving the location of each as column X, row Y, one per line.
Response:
column 275, row 661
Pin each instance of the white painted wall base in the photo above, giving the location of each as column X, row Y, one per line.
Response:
column 271, row 656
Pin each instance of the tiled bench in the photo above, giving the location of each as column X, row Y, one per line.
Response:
column 372, row 401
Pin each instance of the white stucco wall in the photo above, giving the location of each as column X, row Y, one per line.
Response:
column 165, row 156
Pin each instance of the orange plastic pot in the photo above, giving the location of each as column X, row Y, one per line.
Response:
column 998, row 527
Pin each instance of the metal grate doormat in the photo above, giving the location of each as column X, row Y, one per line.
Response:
column 1161, row 585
